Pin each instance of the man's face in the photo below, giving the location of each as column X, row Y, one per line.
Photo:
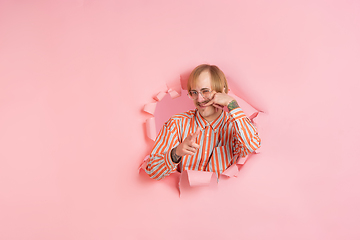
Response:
column 203, row 82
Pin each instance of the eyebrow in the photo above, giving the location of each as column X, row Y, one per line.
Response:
column 200, row 89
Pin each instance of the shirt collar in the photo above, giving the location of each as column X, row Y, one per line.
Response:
column 202, row 123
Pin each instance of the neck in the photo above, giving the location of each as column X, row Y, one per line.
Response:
column 213, row 117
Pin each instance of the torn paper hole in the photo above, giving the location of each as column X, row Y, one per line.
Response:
column 175, row 101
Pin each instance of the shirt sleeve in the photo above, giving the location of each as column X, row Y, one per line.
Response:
column 246, row 138
column 159, row 164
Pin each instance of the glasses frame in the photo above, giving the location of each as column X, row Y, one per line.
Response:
column 201, row 92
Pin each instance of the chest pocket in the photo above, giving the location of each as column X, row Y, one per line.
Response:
column 220, row 159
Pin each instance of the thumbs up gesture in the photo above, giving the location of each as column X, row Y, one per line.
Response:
column 188, row 146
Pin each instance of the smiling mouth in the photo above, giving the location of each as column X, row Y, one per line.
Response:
column 201, row 104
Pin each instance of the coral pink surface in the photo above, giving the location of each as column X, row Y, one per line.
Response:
column 74, row 78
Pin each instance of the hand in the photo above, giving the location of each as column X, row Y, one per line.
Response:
column 188, row 146
column 219, row 100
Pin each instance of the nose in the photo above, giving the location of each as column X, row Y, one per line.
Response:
column 200, row 97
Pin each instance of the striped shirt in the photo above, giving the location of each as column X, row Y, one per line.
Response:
column 222, row 142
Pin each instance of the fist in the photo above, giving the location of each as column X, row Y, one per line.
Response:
column 219, row 100
column 188, row 146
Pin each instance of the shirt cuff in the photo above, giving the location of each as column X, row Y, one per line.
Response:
column 237, row 113
column 169, row 163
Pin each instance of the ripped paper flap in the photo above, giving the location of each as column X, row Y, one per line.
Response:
column 174, row 93
column 242, row 160
column 151, row 128
column 199, row 178
column 191, row 181
column 143, row 164
column 247, row 108
column 160, row 96
column 174, row 88
column 232, row 171
column 150, row 108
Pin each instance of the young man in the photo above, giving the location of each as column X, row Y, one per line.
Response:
column 207, row 138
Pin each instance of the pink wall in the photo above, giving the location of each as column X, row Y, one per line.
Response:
column 75, row 75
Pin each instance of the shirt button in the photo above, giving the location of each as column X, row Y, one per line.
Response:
column 205, row 151
column 207, row 135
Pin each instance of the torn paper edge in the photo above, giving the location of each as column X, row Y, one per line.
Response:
column 194, row 177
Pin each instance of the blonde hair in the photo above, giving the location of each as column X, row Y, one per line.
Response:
column 218, row 79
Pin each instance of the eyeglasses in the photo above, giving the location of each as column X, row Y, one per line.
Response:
column 206, row 93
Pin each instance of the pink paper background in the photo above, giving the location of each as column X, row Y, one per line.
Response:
column 75, row 75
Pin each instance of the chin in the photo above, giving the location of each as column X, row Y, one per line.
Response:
column 207, row 111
